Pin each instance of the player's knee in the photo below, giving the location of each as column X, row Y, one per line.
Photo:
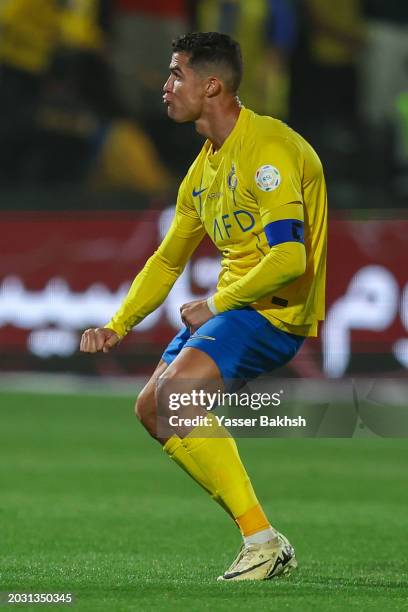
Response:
column 144, row 406
column 145, row 411
column 162, row 391
column 170, row 386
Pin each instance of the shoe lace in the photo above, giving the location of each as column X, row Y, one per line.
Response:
column 245, row 556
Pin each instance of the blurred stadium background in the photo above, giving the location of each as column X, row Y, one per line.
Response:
column 90, row 164
column 89, row 170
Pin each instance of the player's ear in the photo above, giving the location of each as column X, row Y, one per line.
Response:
column 213, row 87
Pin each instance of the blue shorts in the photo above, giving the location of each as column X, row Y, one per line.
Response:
column 243, row 344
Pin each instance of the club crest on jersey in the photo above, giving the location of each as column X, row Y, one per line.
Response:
column 268, row 178
column 232, row 179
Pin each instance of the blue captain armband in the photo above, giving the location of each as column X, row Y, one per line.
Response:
column 284, row 230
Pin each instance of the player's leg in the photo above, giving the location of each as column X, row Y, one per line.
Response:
column 234, row 492
column 145, row 406
column 212, row 448
column 146, row 412
column 265, row 552
column 222, row 343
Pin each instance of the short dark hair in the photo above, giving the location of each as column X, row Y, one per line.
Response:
column 213, row 48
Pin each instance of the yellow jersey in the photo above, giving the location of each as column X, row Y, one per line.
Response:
column 263, row 173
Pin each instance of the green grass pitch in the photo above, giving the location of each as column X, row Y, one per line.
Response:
column 89, row 504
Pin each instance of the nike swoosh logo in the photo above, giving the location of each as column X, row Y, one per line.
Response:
column 234, row 574
column 194, row 337
column 197, row 193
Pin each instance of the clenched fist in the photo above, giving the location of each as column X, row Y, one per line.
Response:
column 98, row 339
column 194, row 314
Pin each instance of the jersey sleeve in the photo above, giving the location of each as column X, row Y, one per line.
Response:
column 154, row 282
column 275, row 181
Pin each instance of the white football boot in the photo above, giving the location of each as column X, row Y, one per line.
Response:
column 262, row 561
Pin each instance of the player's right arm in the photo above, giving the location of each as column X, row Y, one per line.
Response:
column 153, row 283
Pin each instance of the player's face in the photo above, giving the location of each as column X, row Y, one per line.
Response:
column 184, row 90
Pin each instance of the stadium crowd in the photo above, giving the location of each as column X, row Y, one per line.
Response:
column 81, row 80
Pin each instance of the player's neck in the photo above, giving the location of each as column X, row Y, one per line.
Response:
column 218, row 123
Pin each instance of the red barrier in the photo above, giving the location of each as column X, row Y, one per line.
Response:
column 61, row 273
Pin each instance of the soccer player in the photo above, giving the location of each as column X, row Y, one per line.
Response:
column 257, row 188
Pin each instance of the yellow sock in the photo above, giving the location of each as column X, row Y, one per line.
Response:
column 219, row 461
column 176, row 451
column 252, row 521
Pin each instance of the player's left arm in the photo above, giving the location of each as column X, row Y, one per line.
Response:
column 275, row 182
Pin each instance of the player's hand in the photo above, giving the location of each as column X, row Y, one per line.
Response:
column 98, row 339
column 194, row 314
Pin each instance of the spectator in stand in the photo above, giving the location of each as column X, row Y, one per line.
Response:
column 85, row 134
column 59, row 118
column 383, row 95
column 76, row 95
column 29, row 33
column 266, row 30
column 323, row 103
column 325, row 66
column 142, row 33
column 384, row 63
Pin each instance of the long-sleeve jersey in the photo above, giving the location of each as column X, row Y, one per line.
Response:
column 261, row 197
